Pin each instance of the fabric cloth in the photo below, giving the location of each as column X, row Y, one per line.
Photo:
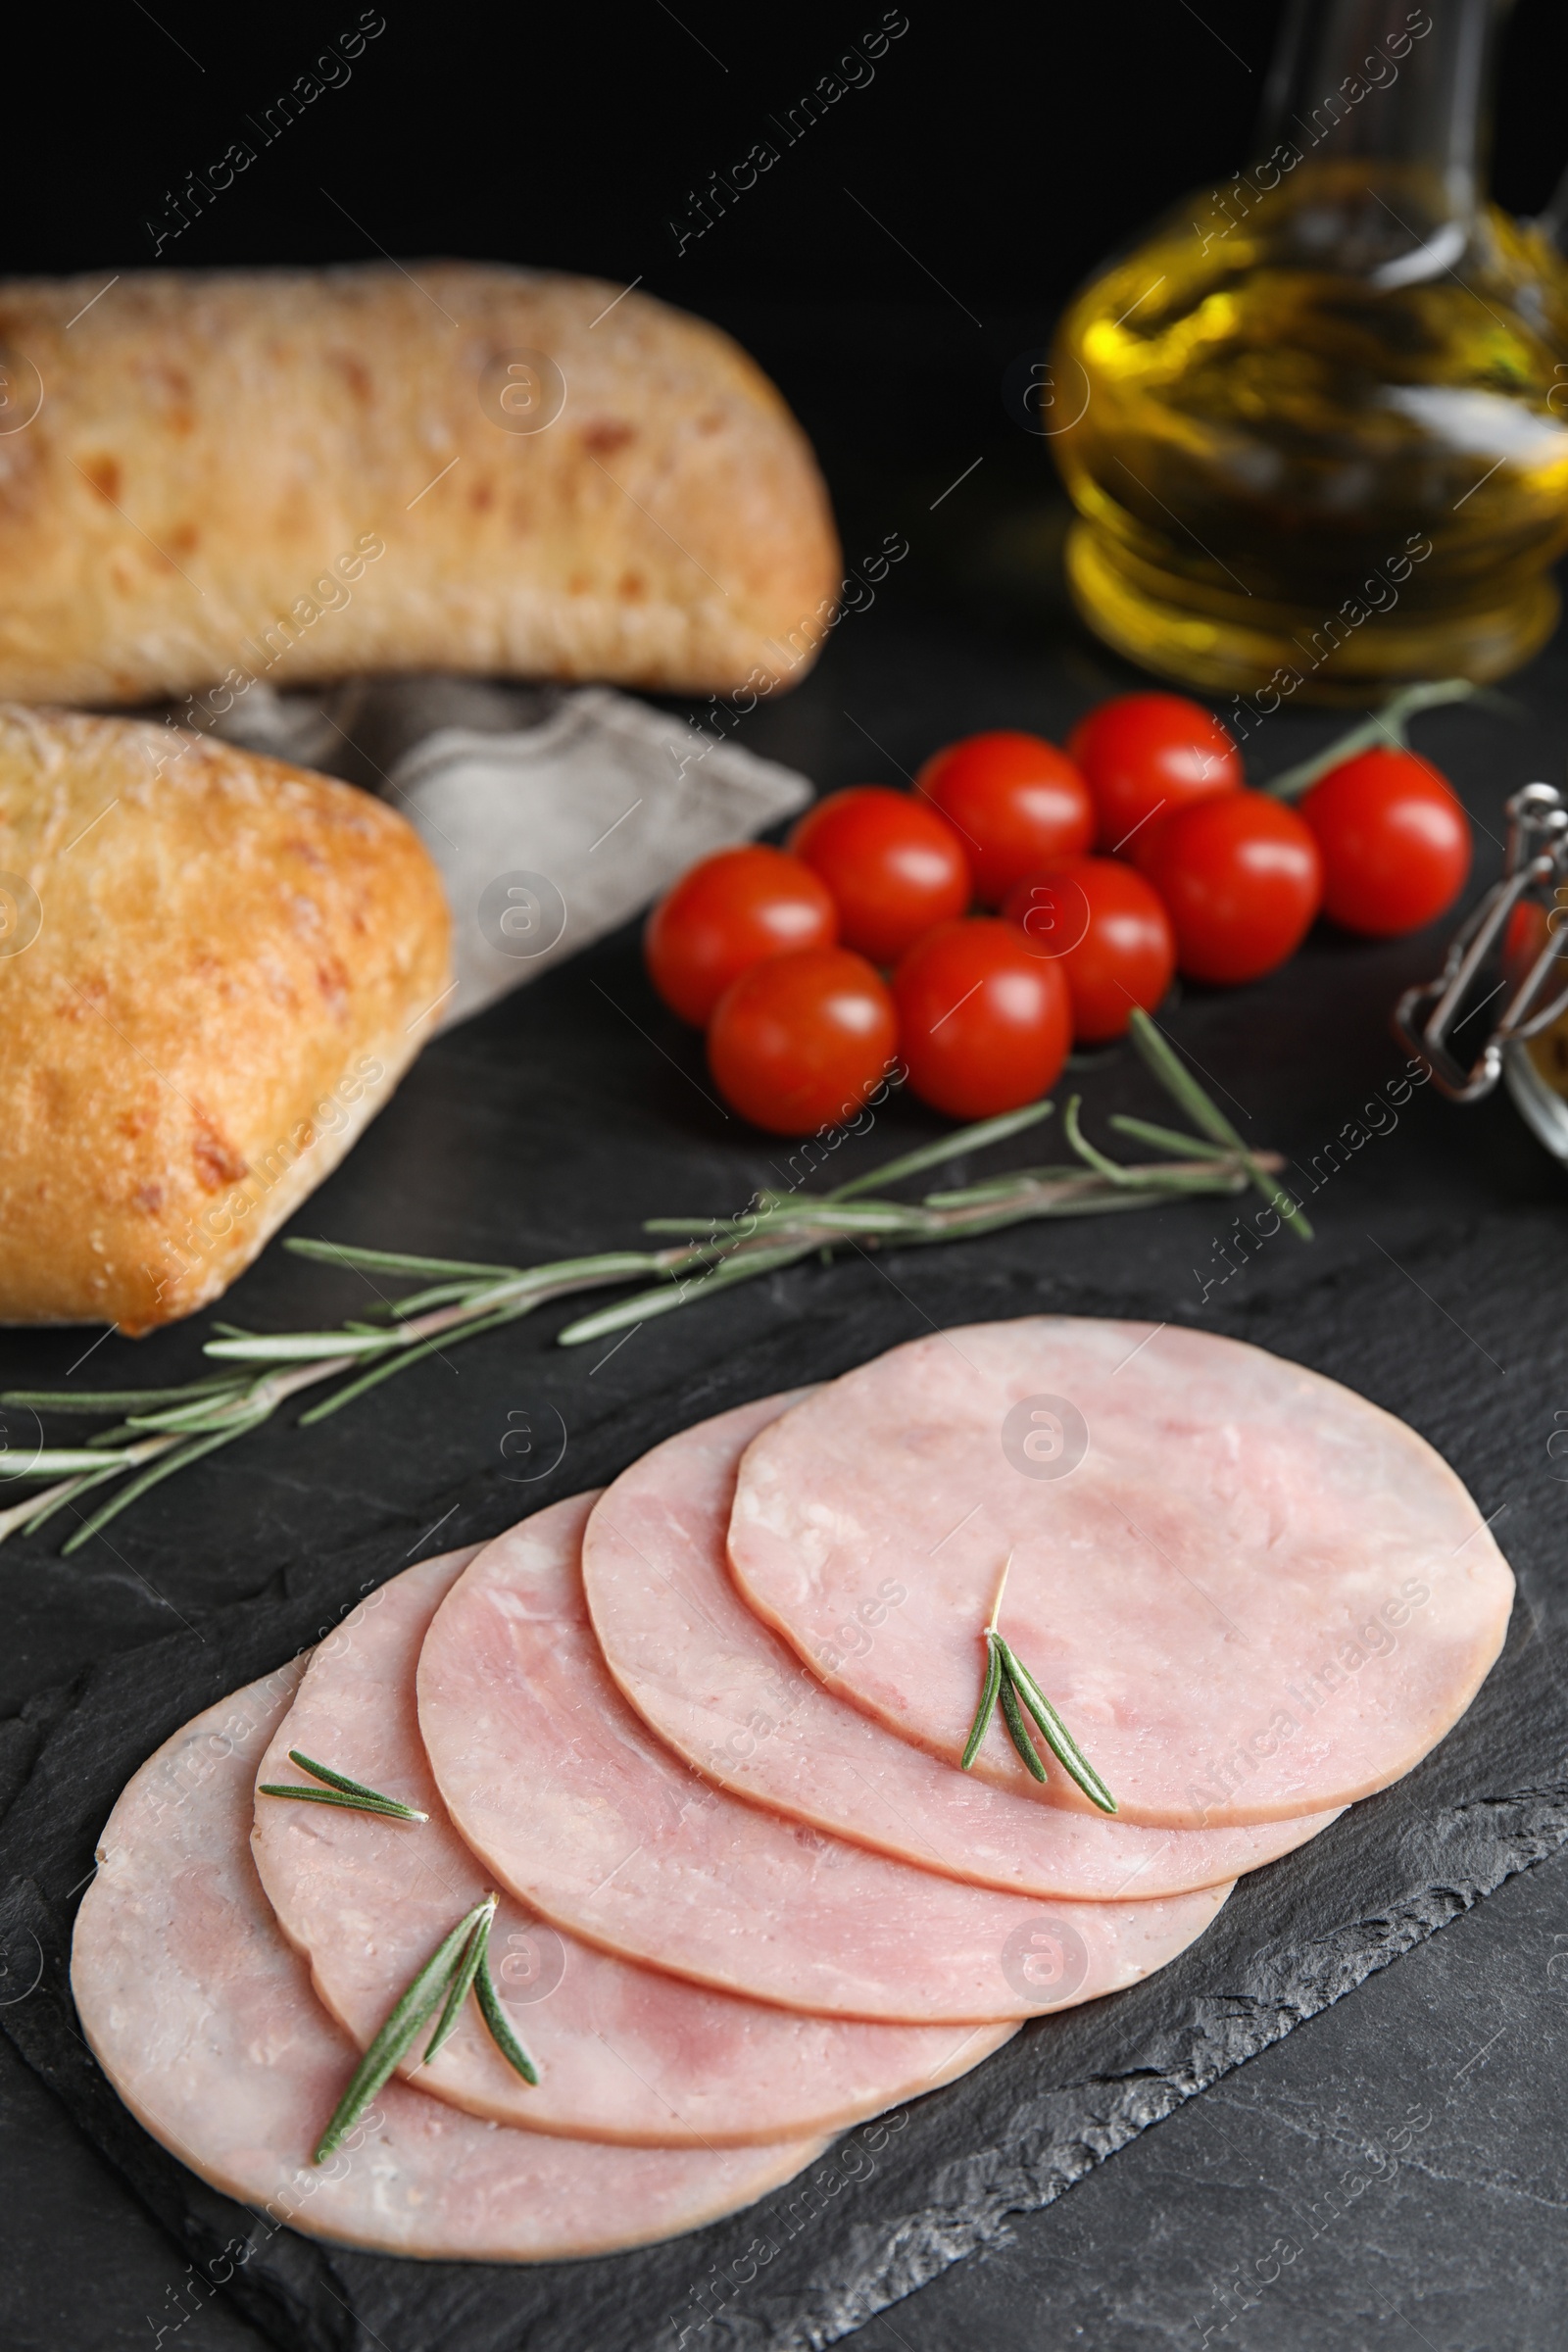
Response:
column 553, row 814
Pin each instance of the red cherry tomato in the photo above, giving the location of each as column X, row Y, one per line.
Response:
column 1242, row 878
column 895, row 866
column 1107, row 927
column 1018, row 803
column 799, row 1042
column 984, row 1024
column 1395, row 842
column 727, row 914
column 1145, row 756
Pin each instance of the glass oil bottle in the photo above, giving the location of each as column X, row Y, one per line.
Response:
column 1320, row 445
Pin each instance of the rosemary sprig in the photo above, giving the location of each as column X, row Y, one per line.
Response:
column 1008, row 1680
column 1178, row 1081
column 339, row 1791
column 165, row 1430
column 459, row 1964
column 396, row 2037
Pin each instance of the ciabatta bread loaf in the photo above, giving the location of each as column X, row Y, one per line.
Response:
column 209, row 479
column 213, row 969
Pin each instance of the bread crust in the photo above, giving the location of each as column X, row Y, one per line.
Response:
column 225, row 968
column 212, row 454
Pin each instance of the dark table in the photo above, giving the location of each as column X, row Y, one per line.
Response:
column 1393, row 2171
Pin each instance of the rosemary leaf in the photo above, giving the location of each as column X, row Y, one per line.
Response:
column 988, row 1703
column 948, row 1146
column 713, row 1229
column 1063, row 1746
column 341, row 1781
column 50, row 1461
column 420, row 1303
column 298, row 1346
column 1112, row 1171
column 392, row 1261
column 1163, row 1138
column 396, row 2037
column 112, row 1401
column 495, row 2017
column 331, row 1796
column 1015, row 1720
column 1178, row 1081
column 463, row 1978
column 203, row 1413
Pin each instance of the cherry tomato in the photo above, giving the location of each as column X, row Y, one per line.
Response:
column 1145, row 756
column 799, row 1041
column 984, row 1024
column 1108, row 930
column 1395, row 842
column 894, row 864
column 1018, row 803
column 1242, row 878
column 727, row 914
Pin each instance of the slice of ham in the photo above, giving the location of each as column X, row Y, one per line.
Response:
column 202, row 2018
column 735, row 1701
column 624, row 2053
column 578, row 1809
column 1255, row 1595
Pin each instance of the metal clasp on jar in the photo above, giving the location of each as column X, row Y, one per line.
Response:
column 1495, row 948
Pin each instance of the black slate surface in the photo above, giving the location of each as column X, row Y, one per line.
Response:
column 553, row 1124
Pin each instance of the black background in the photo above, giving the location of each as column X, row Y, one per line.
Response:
column 1008, row 148
column 1002, row 152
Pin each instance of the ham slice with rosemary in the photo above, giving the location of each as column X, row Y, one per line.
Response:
column 624, row 2053
column 734, row 1699
column 552, row 1780
column 1248, row 1592
column 202, row 2018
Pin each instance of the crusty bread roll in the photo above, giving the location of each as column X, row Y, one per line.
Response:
column 297, row 477
column 214, row 969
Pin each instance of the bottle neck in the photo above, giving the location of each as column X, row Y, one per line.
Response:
column 1404, row 88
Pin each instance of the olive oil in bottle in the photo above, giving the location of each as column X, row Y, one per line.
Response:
column 1321, row 444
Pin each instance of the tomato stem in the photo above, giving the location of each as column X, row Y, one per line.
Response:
column 1390, row 725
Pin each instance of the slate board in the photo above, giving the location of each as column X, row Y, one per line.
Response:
column 887, row 2209
column 553, row 1124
